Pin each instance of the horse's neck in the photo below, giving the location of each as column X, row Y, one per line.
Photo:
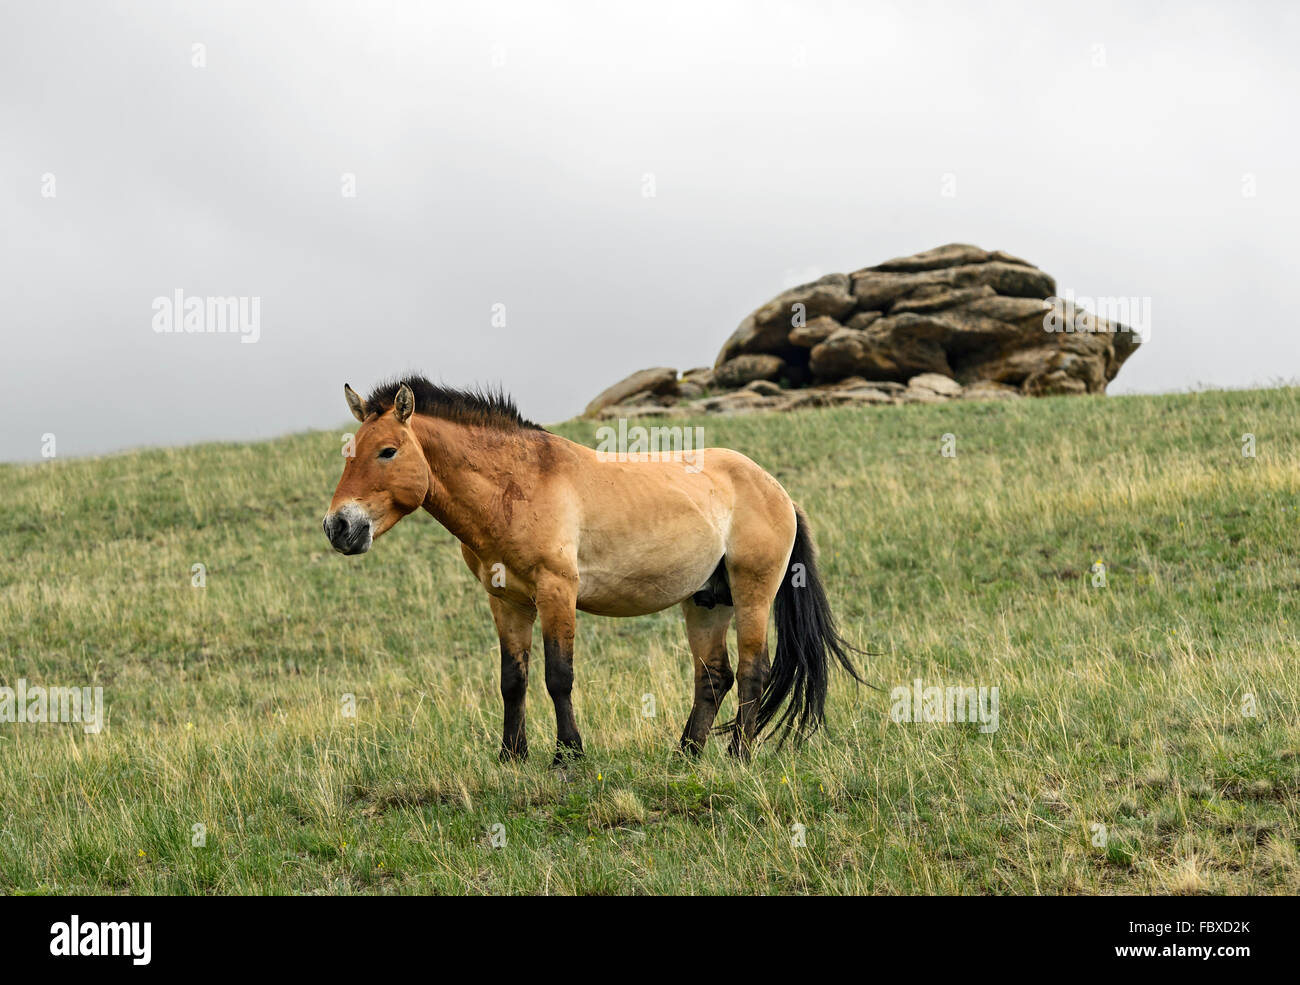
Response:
column 468, row 466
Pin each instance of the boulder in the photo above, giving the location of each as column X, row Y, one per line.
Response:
column 893, row 348
column 815, row 331
column 766, row 387
column 646, row 381
column 944, row 386
column 864, row 395
column 747, row 368
column 630, row 412
column 734, row 402
column 863, row 319
column 875, row 289
column 936, row 298
column 767, row 329
column 952, row 255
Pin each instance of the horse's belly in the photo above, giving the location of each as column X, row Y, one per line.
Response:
column 650, row 585
column 653, row 541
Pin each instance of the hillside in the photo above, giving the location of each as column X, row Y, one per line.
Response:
column 1124, row 706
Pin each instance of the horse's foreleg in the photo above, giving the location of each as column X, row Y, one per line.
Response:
column 706, row 631
column 515, row 630
column 557, row 606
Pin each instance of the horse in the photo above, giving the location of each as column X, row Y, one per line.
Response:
column 551, row 528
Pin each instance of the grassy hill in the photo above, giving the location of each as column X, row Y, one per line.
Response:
column 1126, row 706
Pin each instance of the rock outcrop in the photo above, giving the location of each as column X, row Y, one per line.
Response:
column 953, row 322
column 646, row 382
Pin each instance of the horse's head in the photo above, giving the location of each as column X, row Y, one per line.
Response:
column 386, row 478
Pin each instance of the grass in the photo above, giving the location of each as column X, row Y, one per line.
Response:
column 1120, row 706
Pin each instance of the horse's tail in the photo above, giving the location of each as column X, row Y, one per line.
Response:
column 805, row 638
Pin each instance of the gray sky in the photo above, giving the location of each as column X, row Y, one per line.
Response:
column 501, row 154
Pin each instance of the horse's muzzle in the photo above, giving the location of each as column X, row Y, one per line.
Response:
column 348, row 530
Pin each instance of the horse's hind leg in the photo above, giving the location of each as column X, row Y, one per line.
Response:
column 752, row 669
column 755, row 579
column 706, row 631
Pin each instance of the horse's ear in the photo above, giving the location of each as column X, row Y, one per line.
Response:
column 355, row 403
column 403, row 404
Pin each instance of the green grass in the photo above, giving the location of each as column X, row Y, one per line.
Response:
column 1119, row 706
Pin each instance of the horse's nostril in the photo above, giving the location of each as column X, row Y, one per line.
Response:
column 336, row 527
column 348, row 530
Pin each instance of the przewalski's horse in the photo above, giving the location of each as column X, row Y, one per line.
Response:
column 550, row 527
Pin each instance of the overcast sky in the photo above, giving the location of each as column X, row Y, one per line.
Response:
column 626, row 180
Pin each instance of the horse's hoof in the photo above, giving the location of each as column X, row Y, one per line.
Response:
column 565, row 756
column 508, row 755
column 738, row 752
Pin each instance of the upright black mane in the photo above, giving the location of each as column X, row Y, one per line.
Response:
column 486, row 407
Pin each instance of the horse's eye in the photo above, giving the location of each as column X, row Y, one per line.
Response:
column 388, row 453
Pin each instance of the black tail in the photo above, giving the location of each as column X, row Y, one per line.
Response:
column 805, row 636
